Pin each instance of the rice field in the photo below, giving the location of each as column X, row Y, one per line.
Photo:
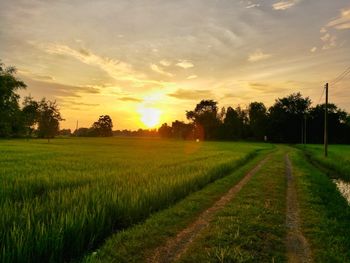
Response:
column 62, row 199
column 338, row 158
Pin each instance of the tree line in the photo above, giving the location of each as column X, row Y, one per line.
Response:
column 36, row 118
column 290, row 119
column 40, row 118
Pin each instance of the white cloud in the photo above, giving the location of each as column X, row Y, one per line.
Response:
column 165, row 63
column 157, row 69
column 257, row 56
column 325, row 37
column 342, row 21
column 252, row 6
column 283, row 5
column 185, row 64
column 117, row 69
column 329, row 41
column 313, row 49
column 192, row 77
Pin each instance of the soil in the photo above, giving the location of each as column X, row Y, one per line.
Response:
column 177, row 246
column 298, row 249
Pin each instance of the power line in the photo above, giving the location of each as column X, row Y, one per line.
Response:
column 321, row 96
column 340, row 76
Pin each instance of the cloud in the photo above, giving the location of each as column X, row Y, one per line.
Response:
column 249, row 4
column 258, row 85
column 252, row 6
column 184, row 94
column 68, row 102
column 35, row 75
column 270, row 88
column 157, row 69
column 185, row 64
column 342, row 21
column 257, row 56
column 192, row 77
column 58, row 89
column 165, row 63
column 117, row 69
column 132, row 99
column 329, row 41
column 283, row 5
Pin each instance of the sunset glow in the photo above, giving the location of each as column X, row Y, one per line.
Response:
column 150, row 117
column 107, row 57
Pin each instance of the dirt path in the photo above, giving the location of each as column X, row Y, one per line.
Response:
column 298, row 249
column 177, row 246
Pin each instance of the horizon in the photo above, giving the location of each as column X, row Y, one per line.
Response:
column 145, row 64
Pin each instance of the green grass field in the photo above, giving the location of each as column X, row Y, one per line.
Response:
column 60, row 200
column 118, row 199
column 338, row 159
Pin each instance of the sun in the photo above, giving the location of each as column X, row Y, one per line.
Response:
column 150, row 116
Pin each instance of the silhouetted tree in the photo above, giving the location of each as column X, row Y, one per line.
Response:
column 232, row 125
column 338, row 129
column 257, row 120
column 286, row 118
column 205, row 117
column 65, row 132
column 165, row 131
column 49, row 119
column 30, row 115
column 84, row 132
column 10, row 120
column 181, row 130
column 103, row 126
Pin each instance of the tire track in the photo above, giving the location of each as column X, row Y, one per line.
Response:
column 177, row 246
column 298, row 249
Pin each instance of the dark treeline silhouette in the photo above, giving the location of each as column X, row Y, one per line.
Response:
column 34, row 118
column 286, row 121
column 137, row 133
column 100, row 128
column 91, row 132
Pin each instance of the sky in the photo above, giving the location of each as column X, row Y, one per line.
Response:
column 155, row 59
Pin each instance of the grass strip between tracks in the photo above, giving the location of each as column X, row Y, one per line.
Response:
column 251, row 228
column 137, row 243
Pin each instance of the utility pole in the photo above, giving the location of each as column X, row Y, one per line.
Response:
column 302, row 131
column 326, row 123
column 305, row 129
column 76, row 129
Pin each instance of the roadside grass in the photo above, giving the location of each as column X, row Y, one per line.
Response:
column 137, row 243
column 338, row 160
column 252, row 227
column 62, row 199
column 325, row 214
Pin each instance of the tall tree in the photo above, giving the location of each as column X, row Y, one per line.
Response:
column 257, row 119
column 103, row 126
column 30, row 115
column 181, row 130
column 205, row 117
column 286, row 118
column 338, row 129
column 10, row 121
column 165, row 131
column 232, row 125
column 49, row 119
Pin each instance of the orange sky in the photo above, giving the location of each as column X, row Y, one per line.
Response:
column 149, row 61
